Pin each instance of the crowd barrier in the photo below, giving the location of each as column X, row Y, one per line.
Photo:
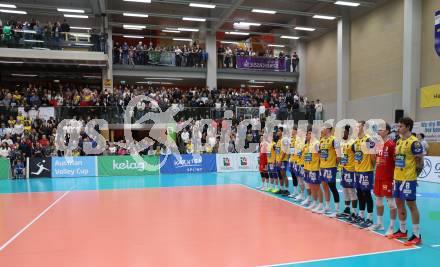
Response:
column 91, row 166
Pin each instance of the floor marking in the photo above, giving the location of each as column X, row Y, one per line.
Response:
column 33, row 221
column 435, row 246
column 338, row 258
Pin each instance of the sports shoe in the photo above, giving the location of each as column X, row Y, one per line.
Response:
column 327, row 211
column 389, row 232
column 313, row 206
column 376, row 227
column 260, row 188
column 274, row 190
column 414, row 240
column 320, row 210
column 305, row 203
column 279, row 192
column 358, row 221
column 398, row 235
column 346, row 212
column 292, row 196
column 316, row 209
column 285, row 193
column 342, row 216
column 366, row 224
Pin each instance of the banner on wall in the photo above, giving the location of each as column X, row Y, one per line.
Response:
column 127, row 166
column 431, row 130
column 431, row 170
column 261, row 63
column 430, row 96
column 167, row 59
column 5, row 166
column 40, row 167
column 188, row 163
column 237, row 162
column 437, row 32
column 71, row 167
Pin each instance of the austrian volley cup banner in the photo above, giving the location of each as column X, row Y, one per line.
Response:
column 261, row 63
column 188, row 163
column 246, row 162
column 431, row 170
column 73, row 167
column 5, row 166
column 437, row 32
column 127, row 166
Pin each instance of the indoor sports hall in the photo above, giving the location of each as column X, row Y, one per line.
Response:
column 231, row 133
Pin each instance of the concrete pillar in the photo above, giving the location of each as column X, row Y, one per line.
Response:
column 211, row 66
column 343, row 67
column 411, row 55
column 301, row 68
column 107, row 73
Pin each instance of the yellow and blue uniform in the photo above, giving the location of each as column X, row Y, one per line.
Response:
column 271, row 160
column 282, row 158
column 405, row 174
column 292, row 157
column 328, row 159
column 311, row 163
column 299, row 149
column 363, row 163
column 347, row 162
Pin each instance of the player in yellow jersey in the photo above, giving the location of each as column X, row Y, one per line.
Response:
column 282, row 160
column 311, row 167
column 329, row 167
column 272, row 170
column 364, row 161
column 293, row 170
column 347, row 177
column 299, row 151
column 408, row 165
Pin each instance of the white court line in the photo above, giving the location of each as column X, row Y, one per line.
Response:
column 337, row 258
column 373, row 253
column 33, row 221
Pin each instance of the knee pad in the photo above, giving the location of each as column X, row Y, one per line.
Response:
column 391, row 203
column 379, row 201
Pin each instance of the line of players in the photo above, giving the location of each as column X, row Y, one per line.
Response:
column 391, row 171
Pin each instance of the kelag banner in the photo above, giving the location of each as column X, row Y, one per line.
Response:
column 72, row 167
column 189, row 163
column 4, row 168
column 127, row 166
column 437, row 32
column 261, row 63
column 40, row 167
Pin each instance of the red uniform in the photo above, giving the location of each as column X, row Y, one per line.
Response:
column 263, row 157
column 383, row 185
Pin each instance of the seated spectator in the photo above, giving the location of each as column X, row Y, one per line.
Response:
column 19, row 169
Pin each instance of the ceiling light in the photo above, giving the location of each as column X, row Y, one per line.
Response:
column 253, row 81
column 10, row 62
column 247, row 24
column 171, row 31
column 193, row 19
column 92, row 76
column 238, row 33
column 83, row 44
column 33, row 41
column 182, row 39
column 92, row 65
column 275, row 45
column 76, row 16
column 256, row 86
column 289, row 37
column 8, row 6
column 305, row 29
column 168, row 79
column 139, row 15
column 80, row 28
column 133, row 36
column 201, row 5
column 133, row 27
column 71, row 10
column 187, row 30
column 138, row 1
column 24, row 75
column 13, row 11
column 264, row 11
column 323, row 17
column 229, row 42
column 84, row 35
column 346, row 3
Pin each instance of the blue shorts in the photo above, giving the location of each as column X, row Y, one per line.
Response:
column 348, row 179
column 405, row 190
column 300, row 172
column 364, row 180
column 272, row 170
column 313, row 177
column 328, row 175
column 282, row 166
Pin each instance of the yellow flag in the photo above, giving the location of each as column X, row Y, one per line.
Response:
column 430, row 96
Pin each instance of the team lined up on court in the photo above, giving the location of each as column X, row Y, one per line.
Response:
column 390, row 170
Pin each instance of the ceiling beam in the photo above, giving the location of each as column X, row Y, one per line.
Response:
column 227, row 13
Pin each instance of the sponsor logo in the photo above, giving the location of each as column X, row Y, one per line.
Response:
column 127, row 165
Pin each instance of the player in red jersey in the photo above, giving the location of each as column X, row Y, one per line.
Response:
column 383, row 183
column 263, row 165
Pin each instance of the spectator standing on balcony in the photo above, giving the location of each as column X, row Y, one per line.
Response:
column 125, row 49
column 234, row 57
column 318, row 108
column 131, row 55
column 220, row 56
column 56, row 34
column 139, row 54
column 178, row 53
column 65, row 27
column 295, row 61
column 228, row 57
column 116, row 53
